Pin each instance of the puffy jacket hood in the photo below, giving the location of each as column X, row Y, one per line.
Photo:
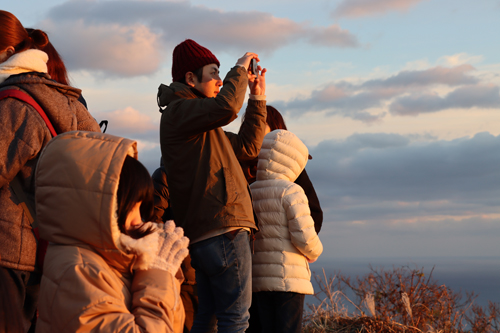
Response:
column 282, row 156
column 76, row 184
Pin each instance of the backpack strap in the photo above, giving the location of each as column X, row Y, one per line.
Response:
column 22, row 96
column 15, row 184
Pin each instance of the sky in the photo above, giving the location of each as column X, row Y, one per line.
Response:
column 398, row 102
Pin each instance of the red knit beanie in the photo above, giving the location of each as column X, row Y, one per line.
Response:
column 188, row 56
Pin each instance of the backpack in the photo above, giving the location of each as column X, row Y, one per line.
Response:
column 15, row 184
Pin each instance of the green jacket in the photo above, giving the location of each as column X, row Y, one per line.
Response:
column 207, row 186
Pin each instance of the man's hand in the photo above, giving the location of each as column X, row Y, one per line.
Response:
column 257, row 83
column 245, row 60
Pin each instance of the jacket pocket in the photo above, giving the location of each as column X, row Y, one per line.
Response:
column 222, row 186
column 231, row 188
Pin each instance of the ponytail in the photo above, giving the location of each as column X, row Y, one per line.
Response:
column 37, row 39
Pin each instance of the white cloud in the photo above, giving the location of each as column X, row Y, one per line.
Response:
column 360, row 8
column 460, row 59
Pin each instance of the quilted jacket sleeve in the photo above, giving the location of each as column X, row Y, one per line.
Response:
column 300, row 223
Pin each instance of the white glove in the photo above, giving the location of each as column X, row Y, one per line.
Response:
column 172, row 248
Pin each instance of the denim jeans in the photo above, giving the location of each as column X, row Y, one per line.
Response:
column 224, row 278
column 280, row 312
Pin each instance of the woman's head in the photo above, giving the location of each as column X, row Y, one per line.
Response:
column 274, row 119
column 135, row 198
column 55, row 64
column 14, row 38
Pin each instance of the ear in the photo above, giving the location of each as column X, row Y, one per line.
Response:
column 190, row 79
column 11, row 50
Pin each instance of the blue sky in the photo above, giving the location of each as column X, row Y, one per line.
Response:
column 397, row 100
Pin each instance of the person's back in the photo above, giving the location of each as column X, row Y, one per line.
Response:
column 286, row 240
column 24, row 134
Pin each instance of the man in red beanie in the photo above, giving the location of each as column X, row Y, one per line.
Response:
column 210, row 198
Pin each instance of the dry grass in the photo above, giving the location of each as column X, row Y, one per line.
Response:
column 398, row 300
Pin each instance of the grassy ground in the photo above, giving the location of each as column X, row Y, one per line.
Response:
column 403, row 299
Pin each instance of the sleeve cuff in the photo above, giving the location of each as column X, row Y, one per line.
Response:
column 258, row 97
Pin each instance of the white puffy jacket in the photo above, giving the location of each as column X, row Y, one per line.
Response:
column 287, row 234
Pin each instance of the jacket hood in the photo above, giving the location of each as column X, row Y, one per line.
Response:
column 168, row 94
column 282, row 156
column 76, row 182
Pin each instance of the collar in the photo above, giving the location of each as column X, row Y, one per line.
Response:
column 23, row 62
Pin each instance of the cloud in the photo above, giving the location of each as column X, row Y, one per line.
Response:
column 459, row 59
column 480, row 96
column 330, row 36
column 388, row 178
column 406, row 93
column 451, row 76
column 130, row 123
column 360, row 8
column 110, row 48
column 130, row 38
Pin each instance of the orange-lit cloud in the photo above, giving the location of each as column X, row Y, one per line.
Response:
column 129, row 38
column 114, row 49
column 128, row 122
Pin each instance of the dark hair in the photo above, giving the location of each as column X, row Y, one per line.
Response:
column 55, row 64
column 12, row 33
column 275, row 119
column 135, row 186
column 198, row 73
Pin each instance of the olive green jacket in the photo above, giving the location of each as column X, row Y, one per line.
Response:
column 207, row 186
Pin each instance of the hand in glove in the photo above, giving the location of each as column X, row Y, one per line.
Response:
column 172, row 248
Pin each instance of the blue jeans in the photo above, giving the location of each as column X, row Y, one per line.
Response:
column 280, row 312
column 224, row 278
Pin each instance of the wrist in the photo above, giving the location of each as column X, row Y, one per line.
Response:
column 257, row 97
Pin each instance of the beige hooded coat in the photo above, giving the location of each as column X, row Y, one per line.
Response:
column 88, row 282
column 287, row 234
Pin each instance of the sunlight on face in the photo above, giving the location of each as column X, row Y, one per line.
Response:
column 211, row 82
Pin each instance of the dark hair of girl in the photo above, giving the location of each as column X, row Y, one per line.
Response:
column 55, row 64
column 135, row 186
column 12, row 33
column 274, row 119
